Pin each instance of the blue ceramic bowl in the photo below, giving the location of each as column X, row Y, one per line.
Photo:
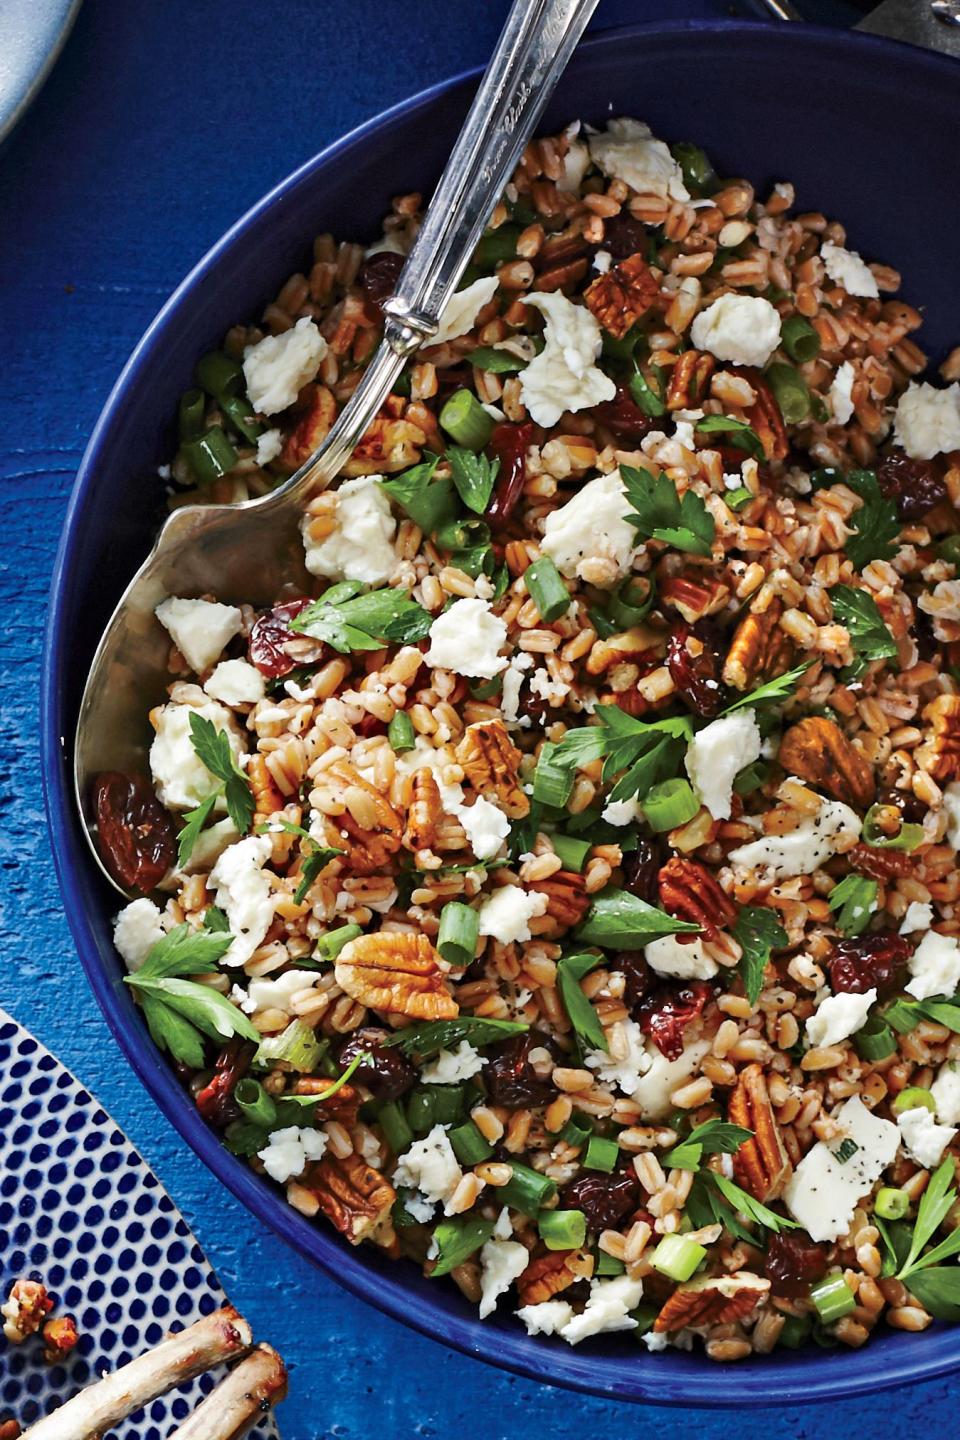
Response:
column 866, row 130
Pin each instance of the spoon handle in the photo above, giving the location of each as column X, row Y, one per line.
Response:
column 531, row 55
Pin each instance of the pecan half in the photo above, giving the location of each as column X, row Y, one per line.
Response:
column 396, row 973
column 764, row 416
column 688, row 380
column 266, row 795
column 759, row 650
column 491, row 762
column 689, row 891
column 371, row 844
column 567, row 898
column 940, row 757
column 312, row 427
column 354, row 1197
column 879, row 864
column 549, row 1275
column 817, row 750
column 712, row 1300
column 343, row 1105
column 388, row 445
column 695, row 595
column 425, row 811
column 761, row 1165
column 622, row 295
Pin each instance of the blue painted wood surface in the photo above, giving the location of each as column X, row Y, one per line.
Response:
column 162, row 122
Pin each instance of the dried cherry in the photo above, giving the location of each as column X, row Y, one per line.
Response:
column 624, row 418
column 914, row 486
column 911, row 808
column 865, row 962
column 793, row 1263
column 388, row 1073
column 509, row 444
column 604, row 1199
column 638, row 977
column 378, row 276
column 641, row 867
column 665, row 1012
column 135, row 834
column 270, row 634
column 215, row 1101
column 624, row 236
column 697, row 677
column 509, row 1077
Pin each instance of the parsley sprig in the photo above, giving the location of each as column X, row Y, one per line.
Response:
column 853, row 899
column 571, row 969
column 641, row 753
column 179, row 1012
column 876, row 527
column 713, row 1137
column 474, row 476
column 213, row 750
column 313, row 856
column 347, row 620
column 757, row 931
column 774, row 692
column 936, row 1286
column 425, row 1041
column 716, row 1200
column 659, row 513
column 857, row 611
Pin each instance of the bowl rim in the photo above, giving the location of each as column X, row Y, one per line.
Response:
column 769, row 1381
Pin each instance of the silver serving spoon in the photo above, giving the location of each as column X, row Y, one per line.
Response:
column 248, row 552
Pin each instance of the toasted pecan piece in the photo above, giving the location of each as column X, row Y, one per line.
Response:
column 712, row 1300
column 764, row 415
column 549, row 1275
column 354, row 1197
column 689, row 891
column 567, row 898
column 389, row 444
column 425, row 813
column 370, row 846
column 879, row 864
column 759, row 650
column 940, row 757
column 343, row 1105
column 695, row 595
column 620, row 297
column 688, row 380
column 266, row 795
column 312, row 427
column 398, row 974
column 491, row 762
column 816, row 749
column 761, row 1164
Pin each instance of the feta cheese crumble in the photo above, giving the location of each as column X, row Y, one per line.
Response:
column 919, row 916
column 668, row 956
column 506, row 915
column 622, row 812
column 199, row 629
column 360, row 546
column 277, row 368
column 429, row 1167
column 946, row 1093
column 924, row 1139
column 591, row 525
column 501, row 1262
column 627, row 1060
column 275, row 992
column 654, row 1093
column 450, row 1067
column 236, row 682
column 547, row 1318
column 823, row 1192
column 466, row 639
column 136, row 930
column 951, row 809
column 563, row 376
column 485, row 825
column 934, row 966
column 629, row 151
column 927, row 420
column 608, row 1308
column 804, row 849
column 839, row 1016
column 459, row 314
column 742, row 328
column 243, row 893
column 289, row 1151
column 269, row 445
column 717, row 754
column 181, row 779
column 840, row 394
column 849, row 269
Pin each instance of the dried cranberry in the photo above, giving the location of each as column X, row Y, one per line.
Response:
column 378, row 276
column 388, row 1073
column 696, row 677
column 623, row 235
column 509, row 444
column 270, row 634
column 638, row 976
column 866, row 962
column 664, row 1013
column 915, row 486
column 911, row 808
column 624, row 418
column 640, row 870
column 215, row 1101
column 929, row 648
column 604, row 1199
column 509, row 1077
column 135, row 833
column 793, row 1263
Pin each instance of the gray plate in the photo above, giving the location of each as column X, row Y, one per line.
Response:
column 32, row 33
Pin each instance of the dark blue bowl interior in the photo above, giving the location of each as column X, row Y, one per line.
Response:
column 866, row 130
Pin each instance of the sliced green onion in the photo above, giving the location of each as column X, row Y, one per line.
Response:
column 699, row 175
column 608, row 1264
column 459, row 930
column 902, row 1015
column 799, row 339
column 751, row 777
column 400, row 732
column 644, row 394
column 465, row 420
column 462, row 534
column 254, row 1103
column 602, row 1154
column 552, row 783
column 444, row 1103
column 912, row 1098
column 677, row 1257
column 562, row 1229
column 795, row 1331
column 833, row 1299
column 239, row 412
column 190, row 414
column 496, row 246
column 298, row 1046
column 632, row 601
column 526, row 1190
column 948, row 549
column 421, row 1104
column 790, row 392
column 907, row 838
column 891, row 1204
column 396, row 1131
column 669, row 804
column 736, row 500
column 210, row 455
column 330, row 945
column 572, row 852
column 577, row 1131
column 875, row 1040
column 458, row 1239
column 546, row 589
column 497, row 362
column 604, row 627
column 469, row 1146
column 219, row 375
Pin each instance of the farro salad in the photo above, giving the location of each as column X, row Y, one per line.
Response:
column 563, row 893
